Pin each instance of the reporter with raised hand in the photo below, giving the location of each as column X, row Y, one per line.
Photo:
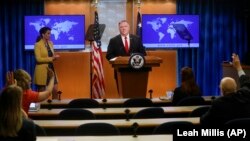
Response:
column 23, row 80
column 233, row 103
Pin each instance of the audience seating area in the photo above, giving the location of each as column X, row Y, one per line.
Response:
column 105, row 117
column 134, row 117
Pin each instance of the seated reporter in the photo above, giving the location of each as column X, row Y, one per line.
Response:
column 234, row 103
column 13, row 124
column 23, row 80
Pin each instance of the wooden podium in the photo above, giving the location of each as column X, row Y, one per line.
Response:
column 230, row 71
column 133, row 83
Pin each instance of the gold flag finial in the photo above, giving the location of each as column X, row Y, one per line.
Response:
column 95, row 2
column 138, row 3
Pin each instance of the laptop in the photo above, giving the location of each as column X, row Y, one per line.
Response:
column 34, row 107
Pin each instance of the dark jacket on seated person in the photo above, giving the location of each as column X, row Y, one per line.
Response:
column 228, row 107
column 26, row 133
column 180, row 95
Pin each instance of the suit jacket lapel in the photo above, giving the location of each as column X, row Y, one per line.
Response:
column 131, row 40
column 121, row 45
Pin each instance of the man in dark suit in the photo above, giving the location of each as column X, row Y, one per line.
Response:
column 124, row 44
column 234, row 103
column 117, row 45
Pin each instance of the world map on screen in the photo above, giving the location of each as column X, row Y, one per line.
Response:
column 170, row 30
column 158, row 25
column 60, row 29
column 67, row 31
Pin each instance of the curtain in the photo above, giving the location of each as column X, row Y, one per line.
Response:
column 12, row 54
column 223, row 31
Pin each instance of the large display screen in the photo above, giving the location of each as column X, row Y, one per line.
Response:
column 67, row 31
column 170, row 31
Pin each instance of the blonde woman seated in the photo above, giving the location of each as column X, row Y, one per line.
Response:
column 23, row 80
column 13, row 125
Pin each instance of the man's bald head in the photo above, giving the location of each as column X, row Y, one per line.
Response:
column 228, row 85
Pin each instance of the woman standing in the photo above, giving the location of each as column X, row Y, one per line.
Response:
column 44, row 54
column 13, row 125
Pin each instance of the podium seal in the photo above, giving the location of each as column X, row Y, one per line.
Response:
column 136, row 61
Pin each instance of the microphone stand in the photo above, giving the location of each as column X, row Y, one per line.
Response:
column 150, row 93
column 127, row 111
column 135, row 128
column 104, row 103
column 59, row 95
column 49, row 106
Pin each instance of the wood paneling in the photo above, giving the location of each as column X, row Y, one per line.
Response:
column 73, row 70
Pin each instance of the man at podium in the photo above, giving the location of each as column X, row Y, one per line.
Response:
column 124, row 44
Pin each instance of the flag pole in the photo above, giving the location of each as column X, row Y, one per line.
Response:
column 98, row 85
column 138, row 22
column 138, row 5
column 95, row 2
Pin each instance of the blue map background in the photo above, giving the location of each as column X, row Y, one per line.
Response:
column 158, row 30
column 67, row 31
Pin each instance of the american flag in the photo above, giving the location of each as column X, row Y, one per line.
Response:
column 138, row 27
column 98, row 87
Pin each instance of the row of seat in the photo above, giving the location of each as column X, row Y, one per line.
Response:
column 134, row 102
column 75, row 113
column 150, row 112
column 100, row 129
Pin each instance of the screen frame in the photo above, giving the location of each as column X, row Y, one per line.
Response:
column 170, row 47
column 83, row 46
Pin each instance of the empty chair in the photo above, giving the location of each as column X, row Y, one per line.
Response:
column 198, row 112
column 191, row 101
column 238, row 123
column 152, row 112
column 83, row 103
column 69, row 114
column 171, row 127
column 40, row 131
column 138, row 102
column 97, row 129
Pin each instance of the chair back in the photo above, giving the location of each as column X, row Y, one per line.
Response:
column 40, row 131
column 198, row 112
column 171, row 127
column 97, row 129
column 138, row 102
column 192, row 101
column 238, row 123
column 77, row 114
column 152, row 112
column 83, row 103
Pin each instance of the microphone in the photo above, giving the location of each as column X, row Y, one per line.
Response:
column 127, row 111
column 104, row 103
column 135, row 126
column 49, row 106
column 150, row 93
column 59, row 94
column 212, row 99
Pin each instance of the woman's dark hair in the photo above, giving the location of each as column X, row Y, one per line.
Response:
column 42, row 31
column 188, row 83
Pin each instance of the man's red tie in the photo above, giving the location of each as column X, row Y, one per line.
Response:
column 126, row 45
